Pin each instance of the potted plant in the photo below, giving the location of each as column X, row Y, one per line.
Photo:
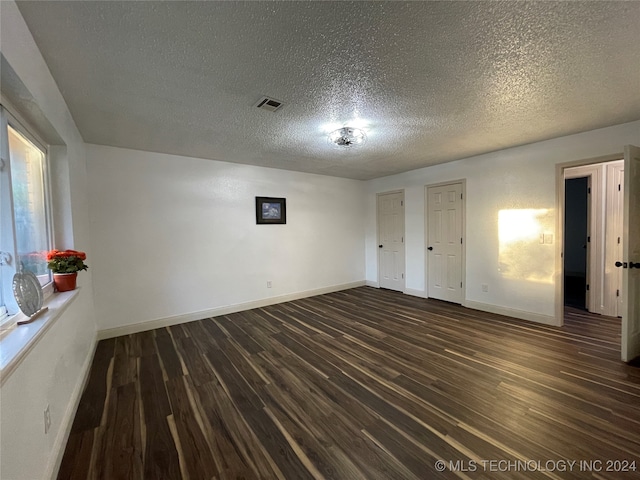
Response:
column 65, row 265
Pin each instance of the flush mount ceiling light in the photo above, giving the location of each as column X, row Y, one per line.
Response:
column 347, row 137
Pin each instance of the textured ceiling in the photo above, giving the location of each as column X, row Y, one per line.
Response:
column 429, row 82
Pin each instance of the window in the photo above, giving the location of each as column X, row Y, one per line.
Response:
column 25, row 235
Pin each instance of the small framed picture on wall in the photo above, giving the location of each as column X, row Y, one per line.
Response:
column 271, row 210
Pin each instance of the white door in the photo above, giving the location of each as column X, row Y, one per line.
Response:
column 444, row 242
column 614, row 300
column 631, row 255
column 391, row 240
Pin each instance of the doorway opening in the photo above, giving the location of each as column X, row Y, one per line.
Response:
column 591, row 230
column 616, row 267
column 576, row 241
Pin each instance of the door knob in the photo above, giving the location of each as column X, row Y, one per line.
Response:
column 379, row 246
column 621, row 264
column 429, row 248
column 634, row 265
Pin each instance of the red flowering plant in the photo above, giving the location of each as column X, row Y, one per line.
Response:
column 66, row 261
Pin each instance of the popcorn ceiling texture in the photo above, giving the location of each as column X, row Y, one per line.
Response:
column 430, row 82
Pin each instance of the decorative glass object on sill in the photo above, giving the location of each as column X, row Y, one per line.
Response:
column 28, row 293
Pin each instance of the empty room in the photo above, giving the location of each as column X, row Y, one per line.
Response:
column 318, row 239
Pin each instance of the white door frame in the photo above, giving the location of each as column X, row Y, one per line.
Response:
column 404, row 243
column 595, row 231
column 463, row 261
column 614, row 228
column 559, row 268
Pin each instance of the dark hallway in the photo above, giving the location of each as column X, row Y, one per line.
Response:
column 575, row 247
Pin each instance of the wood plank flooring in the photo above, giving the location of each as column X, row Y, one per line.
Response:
column 360, row 384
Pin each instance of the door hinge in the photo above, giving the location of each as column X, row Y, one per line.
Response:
column 617, row 293
column 402, row 275
column 587, row 286
column 402, row 203
column 589, row 190
column 618, row 187
column 588, row 239
column 460, row 284
column 618, row 240
column 401, row 239
column 460, row 241
column 460, row 196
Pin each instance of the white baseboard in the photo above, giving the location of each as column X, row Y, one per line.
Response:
column 213, row 312
column 69, row 415
column 415, row 293
column 512, row 312
column 370, row 283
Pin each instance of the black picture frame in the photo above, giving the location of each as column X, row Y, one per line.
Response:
column 271, row 211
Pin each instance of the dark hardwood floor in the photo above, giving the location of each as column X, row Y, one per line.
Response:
column 363, row 383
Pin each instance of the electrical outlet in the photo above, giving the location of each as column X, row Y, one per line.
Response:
column 47, row 419
column 268, row 283
column 485, row 287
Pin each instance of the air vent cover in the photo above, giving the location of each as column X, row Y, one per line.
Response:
column 271, row 104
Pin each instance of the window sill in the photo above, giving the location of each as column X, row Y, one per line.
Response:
column 21, row 339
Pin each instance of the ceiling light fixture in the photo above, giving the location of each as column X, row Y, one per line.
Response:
column 347, row 137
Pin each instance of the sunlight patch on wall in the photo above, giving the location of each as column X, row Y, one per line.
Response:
column 525, row 250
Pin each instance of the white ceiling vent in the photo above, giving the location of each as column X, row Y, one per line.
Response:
column 271, row 104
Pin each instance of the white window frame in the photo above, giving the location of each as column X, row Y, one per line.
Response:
column 9, row 310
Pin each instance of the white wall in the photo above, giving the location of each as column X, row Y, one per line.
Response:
column 52, row 373
column 512, row 179
column 174, row 236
